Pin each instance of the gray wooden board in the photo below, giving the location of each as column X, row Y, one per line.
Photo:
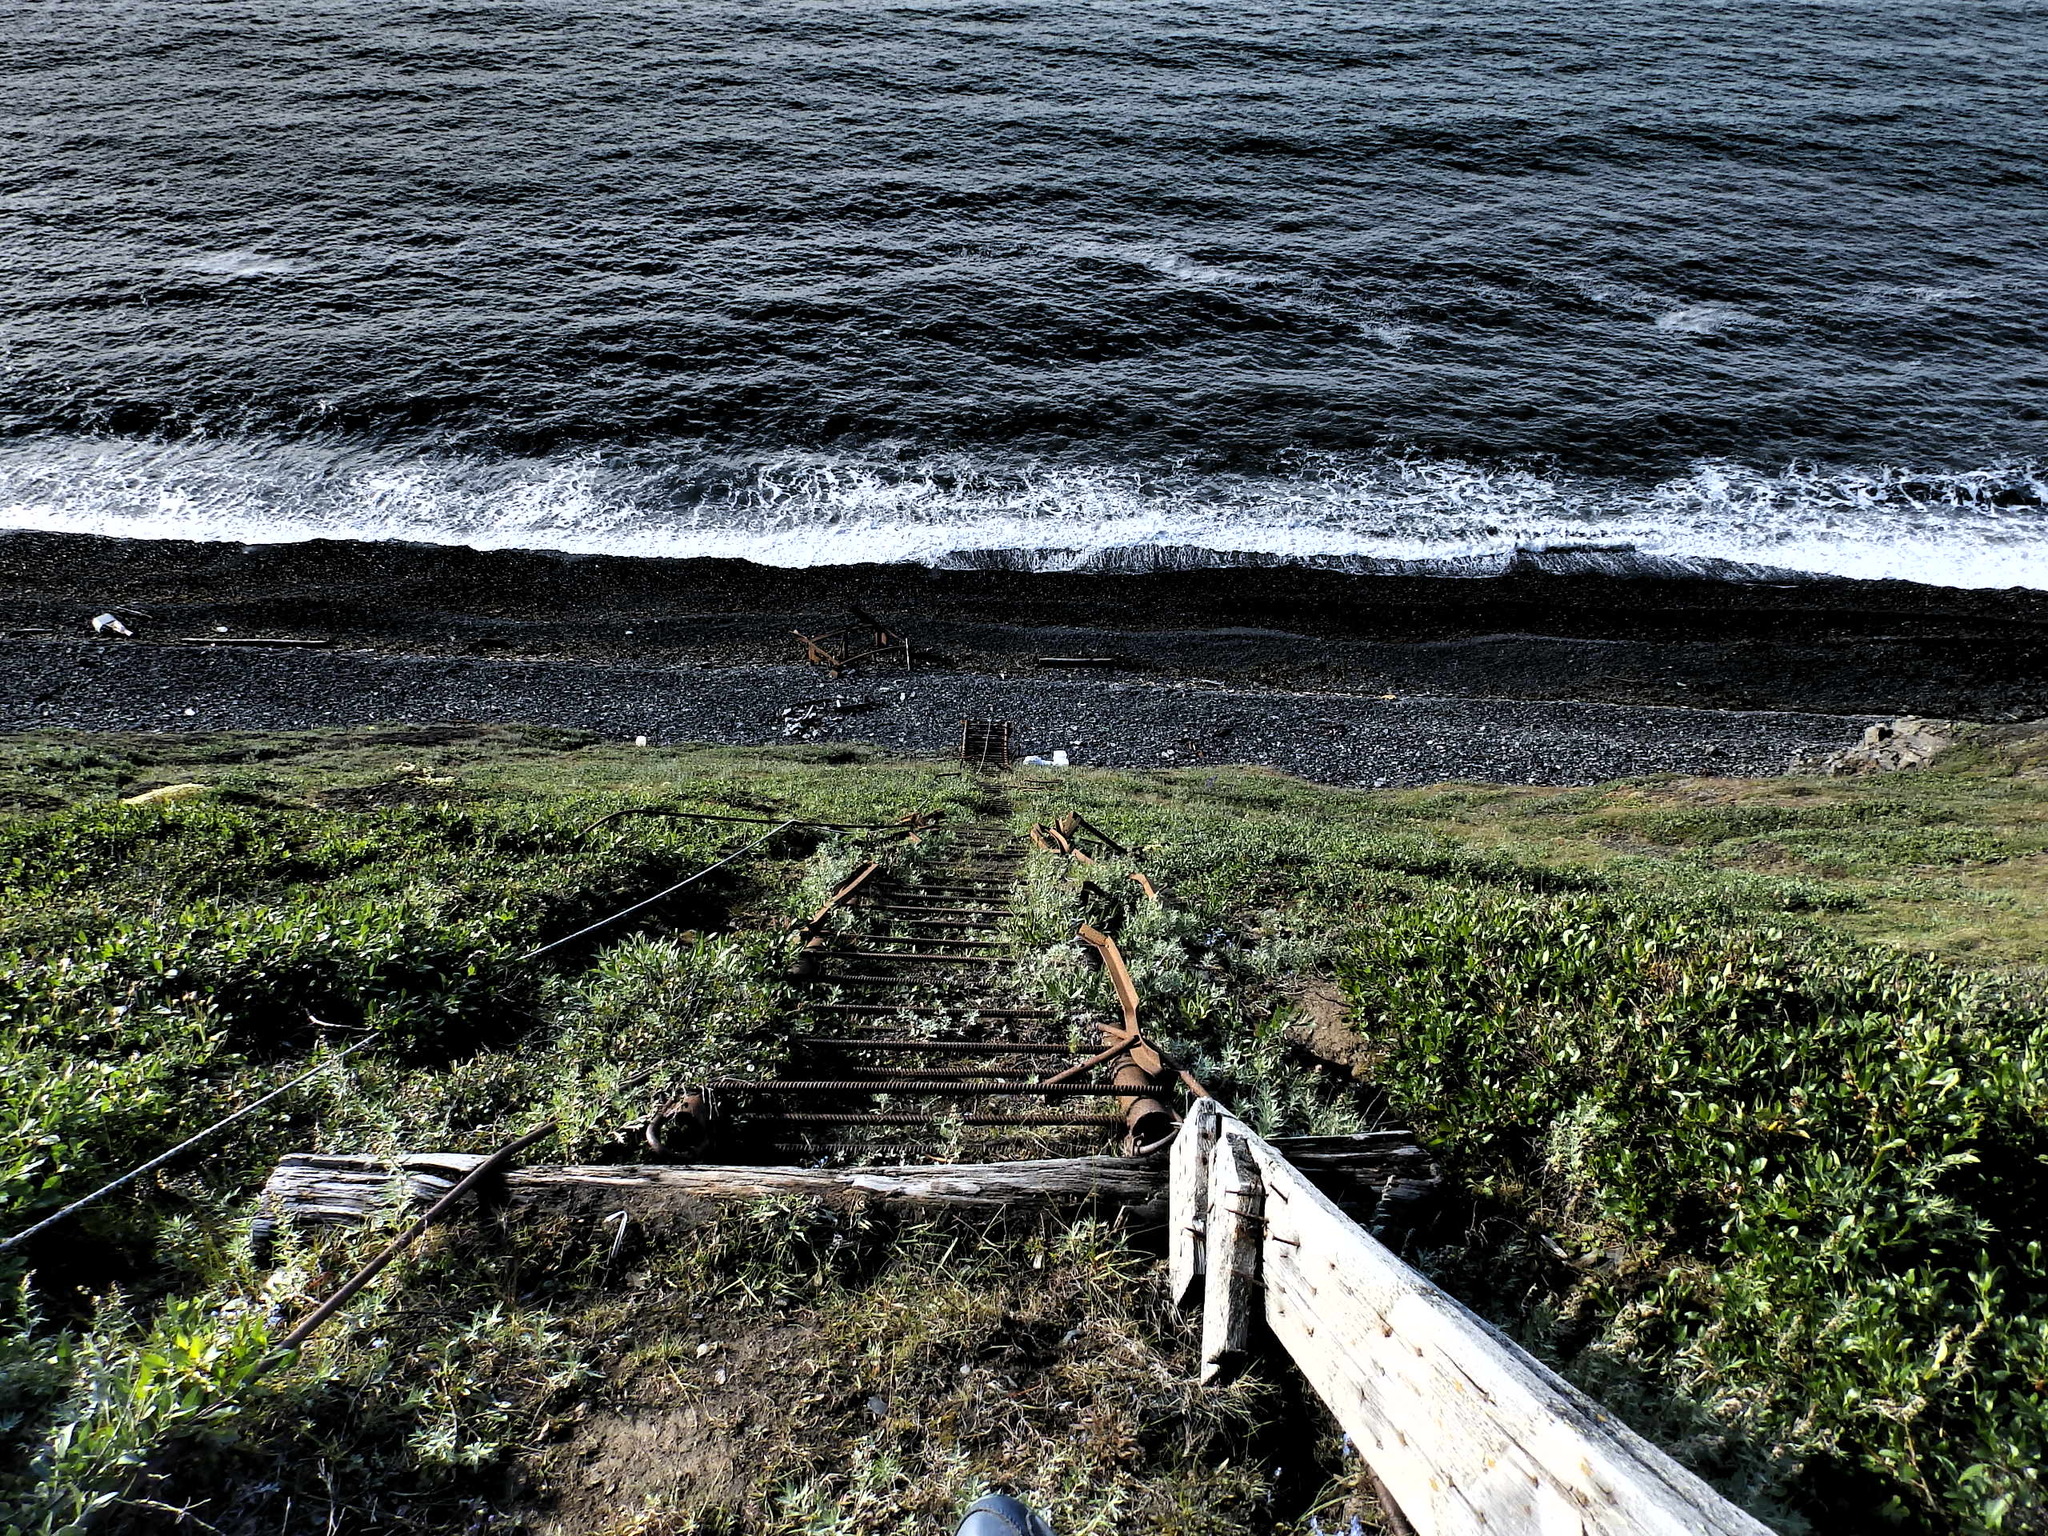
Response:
column 1468, row 1432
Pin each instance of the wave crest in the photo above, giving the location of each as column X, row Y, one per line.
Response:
column 1986, row 527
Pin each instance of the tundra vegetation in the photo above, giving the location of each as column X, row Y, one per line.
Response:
column 1738, row 1087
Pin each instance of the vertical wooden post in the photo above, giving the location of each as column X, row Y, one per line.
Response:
column 1232, row 1296
column 1188, row 1191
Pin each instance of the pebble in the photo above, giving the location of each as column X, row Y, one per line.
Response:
column 1332, row 738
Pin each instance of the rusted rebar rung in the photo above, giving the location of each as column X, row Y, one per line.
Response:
column 903, row 938
column 891, row 1075
column 906, row 929
column 906, row 954
column 937, row 912
column 942, row 1047
column 917, row 1085
column 972, row 904
column 928, row 878
column 933, row 1010
column 823, row 979
column 953, row 898
column 918, row 926
column 892, row 1117
column 932, row 900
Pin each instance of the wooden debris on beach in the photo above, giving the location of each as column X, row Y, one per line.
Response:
column 250, row 640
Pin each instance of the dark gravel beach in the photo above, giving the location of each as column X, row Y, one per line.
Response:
column 1818, row 646
column 1333, row 738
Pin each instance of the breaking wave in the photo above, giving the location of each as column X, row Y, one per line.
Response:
column 1983, row 528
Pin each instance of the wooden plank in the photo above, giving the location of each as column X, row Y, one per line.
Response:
column 314, row 1189
column 1467, row 1431
column 1231, row 1299
column 1188, row 1185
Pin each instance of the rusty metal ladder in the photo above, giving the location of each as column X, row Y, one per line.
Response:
column 911, row 1025
column 985, row 744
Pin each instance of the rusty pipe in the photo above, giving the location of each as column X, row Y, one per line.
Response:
column 1146, row 1118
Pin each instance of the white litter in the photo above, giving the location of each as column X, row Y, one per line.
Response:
column 639, row 741
column 107, row 624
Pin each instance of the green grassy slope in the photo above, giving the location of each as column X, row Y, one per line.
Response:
column 1738, row 1084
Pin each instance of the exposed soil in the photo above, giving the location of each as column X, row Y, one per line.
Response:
column 1325, row 1030
column 657, row 1436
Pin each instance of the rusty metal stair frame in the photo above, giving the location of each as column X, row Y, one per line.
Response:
column 986, row 744
column 883, row 953
column 905, row 969
column 1063, row 835
column 862, row 638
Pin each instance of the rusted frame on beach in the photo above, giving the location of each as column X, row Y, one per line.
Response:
column 986, row 743
column 836, row 650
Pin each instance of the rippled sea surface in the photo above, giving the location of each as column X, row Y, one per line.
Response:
column 1740, row 285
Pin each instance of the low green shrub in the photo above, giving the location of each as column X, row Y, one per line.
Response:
column 1795, row 1188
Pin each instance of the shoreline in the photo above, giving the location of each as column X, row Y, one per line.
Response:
column 1530, row 678
column 1337, row 739
column 1823, row 645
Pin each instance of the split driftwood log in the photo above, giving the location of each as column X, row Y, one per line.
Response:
column 312, row 1190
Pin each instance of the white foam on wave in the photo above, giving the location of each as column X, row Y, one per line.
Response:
column 232, row 264
column 1983, row 529
column 1702, row 319
column 1165, row 261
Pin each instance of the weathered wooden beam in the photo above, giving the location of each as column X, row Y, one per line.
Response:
column 311, row 1189
column 1231, row 1298
column 1468, row 1433
column 1188, row 1176
column 336, row 1190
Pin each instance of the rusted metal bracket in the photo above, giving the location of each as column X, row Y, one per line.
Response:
column 1119, row 974
column 1082, row 823
column 1146, row 1117
column 839, row 897
column 1142, row 1051
column 863, row 639
column 681, row 1127
column 813, row 932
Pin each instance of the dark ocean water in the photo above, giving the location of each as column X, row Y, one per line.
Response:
column 1753, row 283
